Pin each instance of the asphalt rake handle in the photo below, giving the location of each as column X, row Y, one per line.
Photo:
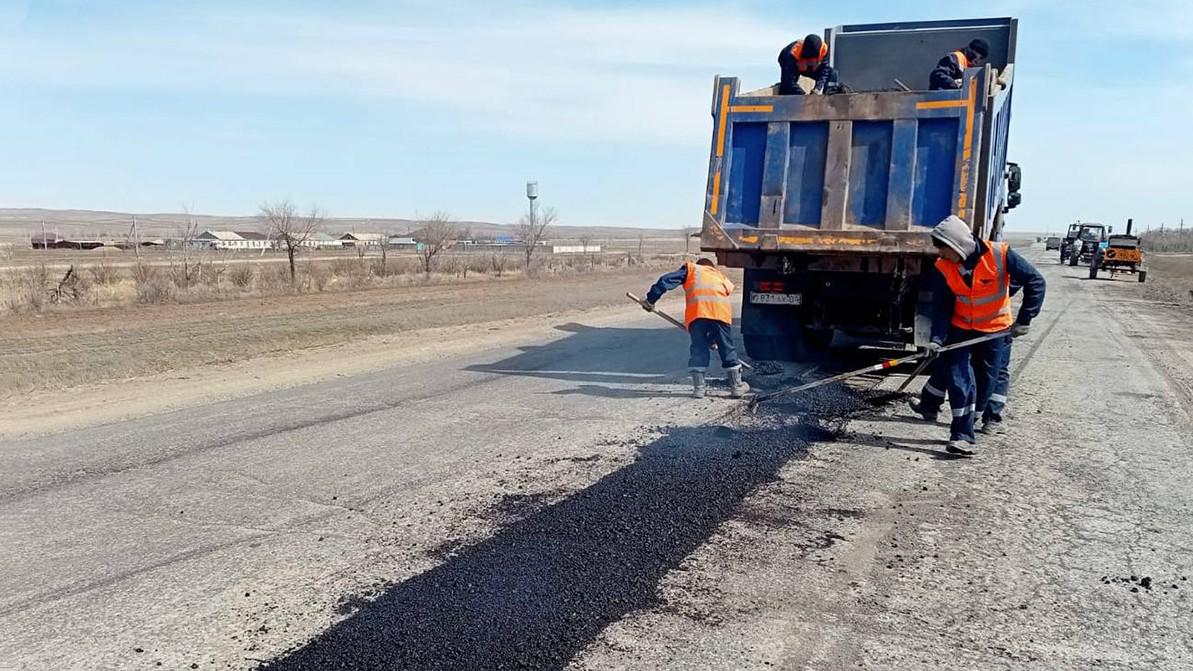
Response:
column 884, row 365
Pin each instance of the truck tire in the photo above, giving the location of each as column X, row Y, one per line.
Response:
column 1142, row 275
column 1093, row 271
column 1074, row 258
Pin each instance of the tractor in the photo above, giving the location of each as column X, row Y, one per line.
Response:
column 1122, row 254
column 1082, row 243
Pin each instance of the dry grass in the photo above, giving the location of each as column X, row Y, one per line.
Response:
column 1170, row 278
column 66, row 347
column 199, row 279
column 1166, row 240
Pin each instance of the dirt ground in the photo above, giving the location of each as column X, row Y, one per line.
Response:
column 71, row 348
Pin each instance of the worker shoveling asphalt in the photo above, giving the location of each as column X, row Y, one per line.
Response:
column 708, row 319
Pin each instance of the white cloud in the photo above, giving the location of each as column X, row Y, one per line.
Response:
column 641, row 75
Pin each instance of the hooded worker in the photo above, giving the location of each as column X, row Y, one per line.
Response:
column 708, row 319
column 806, row 58
column 972, row 298
column 951, row 69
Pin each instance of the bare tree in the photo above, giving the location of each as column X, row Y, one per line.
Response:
column 281, row 222
column 533, row 231
column 185, row 276
column 434, row 235
column 585, row 249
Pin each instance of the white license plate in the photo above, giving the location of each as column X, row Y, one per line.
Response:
column 775, row 299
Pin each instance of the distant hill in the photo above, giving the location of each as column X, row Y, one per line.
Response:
column 19, row 223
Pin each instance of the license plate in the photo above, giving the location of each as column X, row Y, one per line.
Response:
column 775, row 299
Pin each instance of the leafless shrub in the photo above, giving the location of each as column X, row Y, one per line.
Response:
column 28, row 289
column 153, row 286
column 105, row 274
column 275, row 277
column 318, row 276
column 498, row 262
column 241, row 275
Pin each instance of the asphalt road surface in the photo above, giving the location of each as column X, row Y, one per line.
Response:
column 563, row 504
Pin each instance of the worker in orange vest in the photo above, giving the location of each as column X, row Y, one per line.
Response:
column 972, row 295
column 951, row 68
column 806, row 58
column 708, row 319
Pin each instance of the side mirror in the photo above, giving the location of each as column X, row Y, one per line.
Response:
column 1014, row 177
column 1014, row 198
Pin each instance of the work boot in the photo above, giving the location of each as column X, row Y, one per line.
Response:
column 917, row 406
column 698, row 384
column 962, row 447
column 992, row 427
column 737, row 386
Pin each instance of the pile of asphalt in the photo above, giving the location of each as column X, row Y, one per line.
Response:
column 544, row 586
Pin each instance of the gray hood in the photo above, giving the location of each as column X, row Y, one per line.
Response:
column 956, row 234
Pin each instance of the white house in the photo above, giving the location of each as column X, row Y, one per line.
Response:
column 235, row 240
column 402, row 242
column 323, row 241
column 362, row 239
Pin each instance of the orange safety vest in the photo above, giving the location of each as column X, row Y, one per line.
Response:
column 707, row 294
column 986, row 305
column 962, row 60
column 808, row 64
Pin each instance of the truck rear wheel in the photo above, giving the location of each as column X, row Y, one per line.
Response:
column 1142, row 275
column 1074, row 258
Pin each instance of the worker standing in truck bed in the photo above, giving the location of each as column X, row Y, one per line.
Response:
column 708, row 319
column 806, row 58
column 972, row 298
column 950, row 70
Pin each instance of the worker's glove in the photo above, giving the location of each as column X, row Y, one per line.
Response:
column 957, row 83
column 648, row 306
column 933, row 348
column 818, row 91
column 1019, row 330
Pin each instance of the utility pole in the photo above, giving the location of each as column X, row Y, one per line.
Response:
column 44, row 247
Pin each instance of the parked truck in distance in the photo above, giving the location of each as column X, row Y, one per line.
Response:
column 827, row 201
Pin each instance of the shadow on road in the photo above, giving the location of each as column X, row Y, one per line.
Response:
column 542, row 588
column 615, row 356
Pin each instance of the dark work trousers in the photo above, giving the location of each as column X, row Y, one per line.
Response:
column 708, row 332
column 1002, row 386
column 936, row 389
column 972, row 374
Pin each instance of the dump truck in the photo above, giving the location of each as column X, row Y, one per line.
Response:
column 826, row 201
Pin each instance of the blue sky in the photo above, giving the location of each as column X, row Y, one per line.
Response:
column 392, row 108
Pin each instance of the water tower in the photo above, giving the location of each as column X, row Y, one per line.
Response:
column 532, row 194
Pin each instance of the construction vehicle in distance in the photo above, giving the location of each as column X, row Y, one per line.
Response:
column 1052, row 242
column 1121, row 254
column 827, row 201
column 1090, row 238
